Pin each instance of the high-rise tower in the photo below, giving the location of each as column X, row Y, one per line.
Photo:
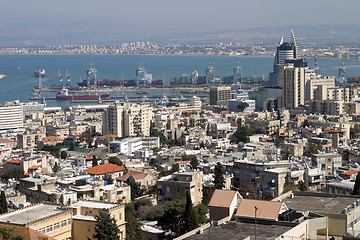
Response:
column 286, row 52
column 209, row 73
column 237, row 73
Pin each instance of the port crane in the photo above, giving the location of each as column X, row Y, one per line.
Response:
column 60, row 76
column 68, row 81
column 316, row 65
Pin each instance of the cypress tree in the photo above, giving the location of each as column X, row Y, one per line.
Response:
column 94, row 161
column 3, row 203
column 133, row 230
column 105, row 227
column 190, row 221
column 219, row 179
column 356, row 190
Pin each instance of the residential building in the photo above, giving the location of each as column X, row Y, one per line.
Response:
column 222, row 93
column 328, row 162
column 143, row 179
column 50, row 219
column 223, row 204
column 129, row 146
column 127, row 119
column 178, row 184
column 84, row 212
column 106, row 171
column 293, row 88
column 11, row 117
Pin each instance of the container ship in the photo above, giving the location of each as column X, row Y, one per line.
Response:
column 143, row 79
column 64, row 95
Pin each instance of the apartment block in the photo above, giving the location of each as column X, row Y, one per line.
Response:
column 178, row 184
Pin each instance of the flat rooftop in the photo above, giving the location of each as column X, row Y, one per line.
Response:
column 31, row 214
column 237, row 230
column 91, row 204
column 320, row 204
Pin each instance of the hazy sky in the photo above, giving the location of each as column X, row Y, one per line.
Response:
column 50, row 18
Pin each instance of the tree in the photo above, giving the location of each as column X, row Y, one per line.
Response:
column 173, row 220
column 356, row 189
column 200, row 211
column 190, row 221
column 54, row 150
column 313, row 149
column 3, row 203
column 116, row 161
column 56, row 168
column 353, row 133
column 63, row 154
column 242, row 106
column 193, row 160
column 15, row 173
column 88, row 138
column 133, row 230
column 305, row 123
column 105, row 227
column 302, row 186
column 219, row 179
column 136, row 190
column 94, row 161
column 242, row 133
column 7, row 234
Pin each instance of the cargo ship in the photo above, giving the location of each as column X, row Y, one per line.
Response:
column 64, row 95
column 142, row 80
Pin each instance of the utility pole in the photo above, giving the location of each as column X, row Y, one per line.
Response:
column 255, row 220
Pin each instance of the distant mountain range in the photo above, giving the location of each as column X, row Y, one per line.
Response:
column 114, row 34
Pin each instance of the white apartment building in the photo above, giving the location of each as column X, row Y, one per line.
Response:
column 127, row 119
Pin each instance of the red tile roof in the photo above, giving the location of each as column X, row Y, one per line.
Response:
column 222, row 198
column 5, row 140
column 134, row 174
column 104, row 168
column 349, row 173
column 17, row 161
column 34, row 167
column 51, row 139
column 265, row 209
column 108, row 136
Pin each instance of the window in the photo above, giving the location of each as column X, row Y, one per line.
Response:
column 42, row 230
column 88, row 228
column 49, row 228
column 120, row 216
column 56, row 226
column 63, row 223
column 69, row 221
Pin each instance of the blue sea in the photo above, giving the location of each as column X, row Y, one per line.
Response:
column 20, row 80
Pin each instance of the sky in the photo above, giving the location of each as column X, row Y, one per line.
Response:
column 49, row 20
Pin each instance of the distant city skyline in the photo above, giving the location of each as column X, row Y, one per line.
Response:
column 39, row 21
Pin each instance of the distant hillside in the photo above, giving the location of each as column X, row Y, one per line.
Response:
column 113, row 34
column 327, row 34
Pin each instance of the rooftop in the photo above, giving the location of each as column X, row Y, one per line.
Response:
column 265, row 209
column 92, row 204
column 31, row 214
column 222, row 198
column 320, row 203
column 238, row 230
column 104, row 168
